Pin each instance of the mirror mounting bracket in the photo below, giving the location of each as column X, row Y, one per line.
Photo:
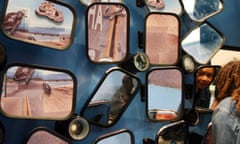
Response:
column 140, row 3
column 140, row 39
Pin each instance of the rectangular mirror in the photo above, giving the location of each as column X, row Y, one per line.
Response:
column 107, row 35
column 111, row 97
column 164, row 94
column 34, row 92
column 40, row 22
column 162, row 38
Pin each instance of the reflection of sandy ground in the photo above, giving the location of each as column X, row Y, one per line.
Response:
column 162, row 39
column 30, row 100
column 61, row 42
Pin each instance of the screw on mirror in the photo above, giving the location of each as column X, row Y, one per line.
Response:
column 148, row 141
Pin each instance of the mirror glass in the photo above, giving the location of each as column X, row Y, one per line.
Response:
column 46, row 136
column 111, row 98
column 40, row 22
column 37, row 93
column 205, row 87
column 162, row 35
column 164, row 94
column 168, row 6
column 200, row 10
column 107, row 26
column 172, row 133
column 88, row 2
column 118, row 137
column 202, row 43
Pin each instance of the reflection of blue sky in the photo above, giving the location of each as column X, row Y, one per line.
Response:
column 123, row 138
column 163, row 97
column 33, row 20
column 110, row 85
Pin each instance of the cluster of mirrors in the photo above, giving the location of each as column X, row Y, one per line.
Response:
column 45, row 93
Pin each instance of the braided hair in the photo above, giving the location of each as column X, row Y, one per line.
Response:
column 228, row 82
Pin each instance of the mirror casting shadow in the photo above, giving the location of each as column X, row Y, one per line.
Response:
column 164, row 94
column 111, row 97
column 35, row 92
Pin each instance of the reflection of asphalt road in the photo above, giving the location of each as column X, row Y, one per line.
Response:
column 31, row 101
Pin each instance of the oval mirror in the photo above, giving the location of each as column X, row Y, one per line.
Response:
column 200, row 10
column 111, row 97
column 118, row 137
column 204, row 87
column 202, row 43
column 164, row 94
column 162, row 38
column 41, row 22
column 172, row 133
column 166, row 6
column 107, row 32
column 35, row 92
column 44, row 135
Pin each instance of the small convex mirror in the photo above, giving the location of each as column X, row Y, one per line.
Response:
column 111, row 98
column 118, row 137
column 204, row 87
column 42, row 22
column 200, row 10
column 164, row 94
column 35, row 92
column 107, row 32
column 44, row 135
column 172, row 133
column 162, row 38
column 202, row 43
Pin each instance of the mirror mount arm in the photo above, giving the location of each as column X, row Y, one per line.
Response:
column 140, row 39
column 140, row 3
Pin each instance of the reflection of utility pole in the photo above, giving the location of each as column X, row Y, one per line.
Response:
column 113, row 13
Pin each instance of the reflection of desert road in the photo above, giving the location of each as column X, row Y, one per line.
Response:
column 30, row 101
column 162, row 39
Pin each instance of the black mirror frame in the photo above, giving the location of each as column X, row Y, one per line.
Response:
column 179, row 34
column 206, row 17
column 45, row 46
column 127, row 33
column 202, row 109
column 194, row 28
column 97, row 88
column 115, row 133
column 42, row 68
column 182, row 96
